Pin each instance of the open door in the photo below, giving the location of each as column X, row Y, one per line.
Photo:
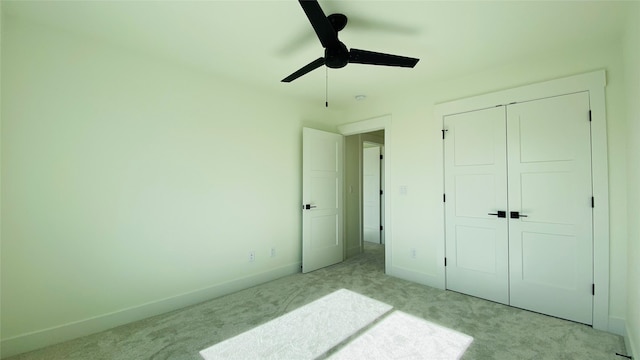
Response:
column 322, row 219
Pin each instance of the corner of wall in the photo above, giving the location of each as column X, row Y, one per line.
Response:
column 631, row 342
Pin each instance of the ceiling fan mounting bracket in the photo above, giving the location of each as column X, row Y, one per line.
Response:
column 338, row 21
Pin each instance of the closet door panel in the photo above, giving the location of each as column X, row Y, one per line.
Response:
column 475, row 183
column 549, row 182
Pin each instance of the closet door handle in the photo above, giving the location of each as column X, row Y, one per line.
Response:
column 500, row 214
column 517, row 215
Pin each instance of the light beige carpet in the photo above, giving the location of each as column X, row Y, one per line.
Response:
column 402, row 336
column 499, row 331
column 343, row 323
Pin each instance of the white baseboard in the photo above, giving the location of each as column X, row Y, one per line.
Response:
column 630, row 342
column 617, row 326
column 41, row 338
column 417, row 277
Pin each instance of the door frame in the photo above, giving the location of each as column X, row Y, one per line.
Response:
column 364, row 126
column 594, row 83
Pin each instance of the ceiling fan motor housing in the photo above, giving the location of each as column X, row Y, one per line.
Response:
column 336, row 57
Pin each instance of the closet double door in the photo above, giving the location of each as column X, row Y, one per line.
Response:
column 518, row 208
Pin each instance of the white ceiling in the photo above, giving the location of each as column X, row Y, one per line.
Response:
column 260, row 42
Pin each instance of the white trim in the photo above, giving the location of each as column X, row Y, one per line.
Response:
column 631, row 342
column 594, row 83
column 617, row 326
column 41, row 338
column 600, row 175
column 379, row 123
column 572, row 84
column 412, row 275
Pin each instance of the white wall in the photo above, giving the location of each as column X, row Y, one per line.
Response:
column 133, row 186
column 417, row 217
column 632, row 77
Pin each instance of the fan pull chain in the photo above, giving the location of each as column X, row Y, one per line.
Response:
column 326, row 87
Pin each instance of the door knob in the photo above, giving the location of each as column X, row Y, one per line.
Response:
column 500, row 214
column 308, row 206
column 516, row 215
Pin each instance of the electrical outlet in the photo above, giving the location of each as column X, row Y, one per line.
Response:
column 252, row 256
column 413, row 253
column 273, row 252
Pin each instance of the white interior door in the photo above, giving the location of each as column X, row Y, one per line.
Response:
column 475, row 187
column 371, row 193
column 322, row 178
column 549, row 160
column 382, row 195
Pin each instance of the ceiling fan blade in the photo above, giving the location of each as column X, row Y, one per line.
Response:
column 305, row 69
column 375, row 58
column 321, row 25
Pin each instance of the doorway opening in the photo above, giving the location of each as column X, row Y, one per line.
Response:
column 365, row 197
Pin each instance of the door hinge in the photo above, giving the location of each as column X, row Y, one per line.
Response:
column 381, row 192
column 589, row 115
column 445, row 261
column 593, row 202
column 381, row 228
column 443, row 131
column 444, row 197
column 593, row 289
column 381, row 156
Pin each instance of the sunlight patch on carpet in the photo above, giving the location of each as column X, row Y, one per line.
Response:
column 402, row 336
column 304, row 333
column 345, row 325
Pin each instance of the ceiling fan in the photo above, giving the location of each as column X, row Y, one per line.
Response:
column 336, row 54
